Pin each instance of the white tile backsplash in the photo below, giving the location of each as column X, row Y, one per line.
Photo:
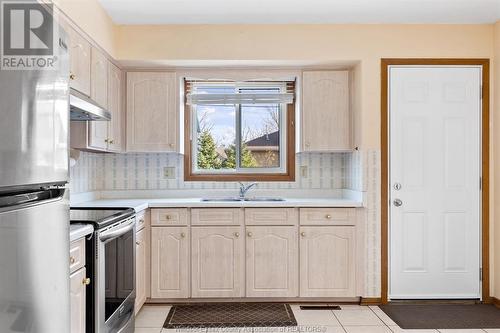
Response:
column 144, row 171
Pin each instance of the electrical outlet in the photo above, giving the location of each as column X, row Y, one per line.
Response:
column 303, row 171
column 169, row 172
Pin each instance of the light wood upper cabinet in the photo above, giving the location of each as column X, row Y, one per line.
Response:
column 151, row 112
column 170, row 262
column 327, row 262
column 115, row 107
column 218, row 259
column 79, row 53
column 77, row 297
column 98, row 131
column 272, row 261
column 326, row 116
column 99, row 78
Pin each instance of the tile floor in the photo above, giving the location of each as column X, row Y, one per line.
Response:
column 351, row 319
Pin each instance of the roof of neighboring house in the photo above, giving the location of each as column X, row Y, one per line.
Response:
column 266, row 140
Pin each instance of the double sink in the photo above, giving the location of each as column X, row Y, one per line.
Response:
column 242, row 197
column 233, row 199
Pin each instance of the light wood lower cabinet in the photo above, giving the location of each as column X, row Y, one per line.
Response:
column 218, row 259
column 77, row 296
column 272, row 261
column 327, row 261
column 204, row 260
column 140, row 267
column 142, row 259
column 170, row 262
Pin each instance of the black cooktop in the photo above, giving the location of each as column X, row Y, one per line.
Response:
column 99, row 217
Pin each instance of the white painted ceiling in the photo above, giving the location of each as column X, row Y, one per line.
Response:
column 301, row 11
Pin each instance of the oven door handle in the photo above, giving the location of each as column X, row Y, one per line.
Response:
column 116, row 233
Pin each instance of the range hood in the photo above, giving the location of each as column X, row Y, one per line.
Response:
column 83, row 108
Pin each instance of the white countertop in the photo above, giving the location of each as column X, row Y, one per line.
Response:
column 141, row 204
column 79, row 230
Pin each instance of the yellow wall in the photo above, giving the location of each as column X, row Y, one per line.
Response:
column 310, row 43
column 91, row 18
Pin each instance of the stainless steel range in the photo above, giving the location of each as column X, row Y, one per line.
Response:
column 111, row 254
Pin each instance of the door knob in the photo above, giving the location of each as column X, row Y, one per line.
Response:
column 397, row 202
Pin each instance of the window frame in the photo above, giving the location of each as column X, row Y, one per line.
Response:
column 286, row 171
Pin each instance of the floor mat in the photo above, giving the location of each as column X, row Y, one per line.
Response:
column 443, row 316
column 230, row 315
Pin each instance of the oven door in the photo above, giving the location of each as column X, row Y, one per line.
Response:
column 115, row 275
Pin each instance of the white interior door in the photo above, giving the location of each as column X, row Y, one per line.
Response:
column 435, row 117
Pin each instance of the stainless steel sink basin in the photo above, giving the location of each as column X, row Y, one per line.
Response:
column 235, row 199
column 222, row 199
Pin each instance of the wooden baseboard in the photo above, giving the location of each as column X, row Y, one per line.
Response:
column 371, row 301
column 495, row 301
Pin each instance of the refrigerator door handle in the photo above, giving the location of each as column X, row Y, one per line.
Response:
column 28, row 199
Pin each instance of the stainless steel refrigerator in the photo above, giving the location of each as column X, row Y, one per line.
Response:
column 34, row 209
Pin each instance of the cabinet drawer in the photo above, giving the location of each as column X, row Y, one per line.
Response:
column 142, row 220
column 217, row 216
column 169, row 216
column 77, row 255
column 327, row 216
column 271, row 216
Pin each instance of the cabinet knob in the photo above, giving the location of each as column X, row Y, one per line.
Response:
column 111, row 141
column 328, row 216
column 236, row 234
column 106, row 140
column 171, row 145
column 72, row 76
column 141, row 221
column 138, row 243
column 86, row 281
column 72, row 260
column 168, row 217
column 250, row 234
column 183, row 235
column 303, row 234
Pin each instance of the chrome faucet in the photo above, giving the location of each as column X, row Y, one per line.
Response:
column 244, row 189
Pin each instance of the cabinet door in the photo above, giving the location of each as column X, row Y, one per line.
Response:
column 79, row 55
column 272, row 261
column 99, row 78
column 169, row 262
column 115, row 107
column 327, row 262
column 151, row 112
column 140, row 269
column 98, row 130
column 326, row 119
column 77, row 296
column 217, row 262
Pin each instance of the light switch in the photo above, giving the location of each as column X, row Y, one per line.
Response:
column 169, row 172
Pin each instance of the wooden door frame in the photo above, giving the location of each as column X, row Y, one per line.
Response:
column 485, row 154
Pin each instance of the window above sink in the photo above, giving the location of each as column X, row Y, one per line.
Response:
column 240, row 130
